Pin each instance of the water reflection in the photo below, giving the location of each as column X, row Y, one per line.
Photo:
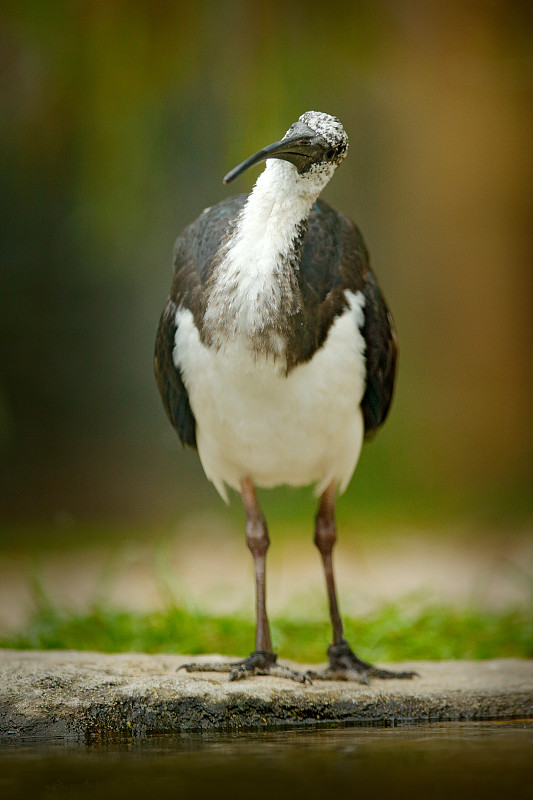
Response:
column 463, row 760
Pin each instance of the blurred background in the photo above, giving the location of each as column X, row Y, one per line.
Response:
column 119, row 119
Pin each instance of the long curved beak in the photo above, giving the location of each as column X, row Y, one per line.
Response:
column 301, row 147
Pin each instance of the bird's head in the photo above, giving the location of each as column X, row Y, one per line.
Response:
column 315, row 146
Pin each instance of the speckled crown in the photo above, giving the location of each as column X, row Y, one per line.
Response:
column 328, row 127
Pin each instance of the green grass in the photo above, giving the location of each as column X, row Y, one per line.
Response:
column 403, row 631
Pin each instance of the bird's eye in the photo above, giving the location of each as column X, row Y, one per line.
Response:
column 330, row 154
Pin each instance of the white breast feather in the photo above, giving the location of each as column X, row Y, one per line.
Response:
column 253, row 420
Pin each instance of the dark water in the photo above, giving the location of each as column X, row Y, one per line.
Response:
column 446, row 760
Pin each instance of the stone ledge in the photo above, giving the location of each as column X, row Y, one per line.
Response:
column 78, row 694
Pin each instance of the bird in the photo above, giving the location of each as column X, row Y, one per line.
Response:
column 275, row 358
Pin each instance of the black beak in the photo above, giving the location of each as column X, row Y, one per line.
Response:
column 302, row 147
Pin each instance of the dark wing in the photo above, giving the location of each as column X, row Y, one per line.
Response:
column 381, row 357
column 169, row 380
column 334, row 260
column 194, row 251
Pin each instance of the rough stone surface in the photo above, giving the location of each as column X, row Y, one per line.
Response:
column 81, row 694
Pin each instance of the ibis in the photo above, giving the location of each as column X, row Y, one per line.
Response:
column 275, row 357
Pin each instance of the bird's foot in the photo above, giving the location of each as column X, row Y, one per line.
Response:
column 344, row 665
column 261, row 662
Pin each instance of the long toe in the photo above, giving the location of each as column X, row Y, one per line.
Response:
column 339, row 675
column 274, row 670
column 209, row 666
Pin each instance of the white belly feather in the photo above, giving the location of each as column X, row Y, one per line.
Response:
column 253, row 420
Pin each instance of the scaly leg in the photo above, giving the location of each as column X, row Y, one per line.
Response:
column 343, row 663
column 263, row 661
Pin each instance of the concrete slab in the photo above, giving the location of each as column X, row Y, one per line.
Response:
column 75, row 695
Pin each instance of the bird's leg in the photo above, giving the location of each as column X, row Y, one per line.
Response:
column 263, row 661
column 258, row 542
column 325, row 538
column 343, row 663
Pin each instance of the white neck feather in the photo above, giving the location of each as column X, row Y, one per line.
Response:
column 249, row 285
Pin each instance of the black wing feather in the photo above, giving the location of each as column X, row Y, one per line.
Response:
column 169, row 380
column 194, row 251
column 335, row 259
column 381, row 357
